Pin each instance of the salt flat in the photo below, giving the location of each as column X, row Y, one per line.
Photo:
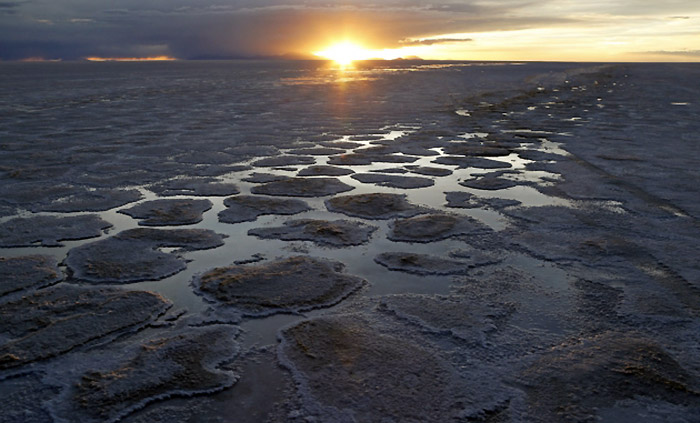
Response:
column 498, row 242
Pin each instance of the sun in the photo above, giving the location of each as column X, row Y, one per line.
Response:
column 344, row 53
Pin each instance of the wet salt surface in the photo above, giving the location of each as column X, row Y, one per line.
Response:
column 20, row 273
column 169, row 212
column 555, row 261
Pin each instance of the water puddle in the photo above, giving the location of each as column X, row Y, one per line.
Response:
column 240, row 247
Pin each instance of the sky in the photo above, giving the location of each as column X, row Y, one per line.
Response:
column 556, row 30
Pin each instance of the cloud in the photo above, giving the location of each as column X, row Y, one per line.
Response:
column 433, row 41
column 118, row 12
column 689, row 53
column 245, row 28
column 203, row 30
column 9, row 7
column 255, row 28
column 242, row 28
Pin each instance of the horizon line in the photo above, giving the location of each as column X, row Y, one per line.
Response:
column 163, row 59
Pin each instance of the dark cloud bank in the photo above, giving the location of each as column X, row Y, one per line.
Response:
column 196, row 29
column 222, row 29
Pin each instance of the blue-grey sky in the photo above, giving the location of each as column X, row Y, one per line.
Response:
column 466, row 29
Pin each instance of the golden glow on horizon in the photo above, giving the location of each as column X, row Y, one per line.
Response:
column 611, row 38
column 131, row 59
column 344, row 53
column 591, row 44
column 347, row 52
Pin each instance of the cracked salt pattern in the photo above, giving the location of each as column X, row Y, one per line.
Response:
column 602, row 241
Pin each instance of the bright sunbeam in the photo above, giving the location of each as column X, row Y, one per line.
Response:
column 345, row 53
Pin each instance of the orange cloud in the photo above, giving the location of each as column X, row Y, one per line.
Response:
column 38, row 59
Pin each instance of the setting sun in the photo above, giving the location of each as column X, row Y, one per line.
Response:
column 345, row 53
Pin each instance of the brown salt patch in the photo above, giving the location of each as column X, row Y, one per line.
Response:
column 337, row 233
column 288, row 285
column 345, row 368
column 469, row 149
column 20, row 273
column 283, row 161
column 49, row 231
column 53, row 321
column 323, row 170
column 393, row 181
column 303, row 187
column 194, row 186
column 575, row 380
column 169, row 212
column 183, row 363
column 489, row 183
column 247, row 208
column 133, row 255
column 434, row 227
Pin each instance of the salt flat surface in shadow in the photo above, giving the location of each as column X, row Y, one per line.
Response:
column 413, row 241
